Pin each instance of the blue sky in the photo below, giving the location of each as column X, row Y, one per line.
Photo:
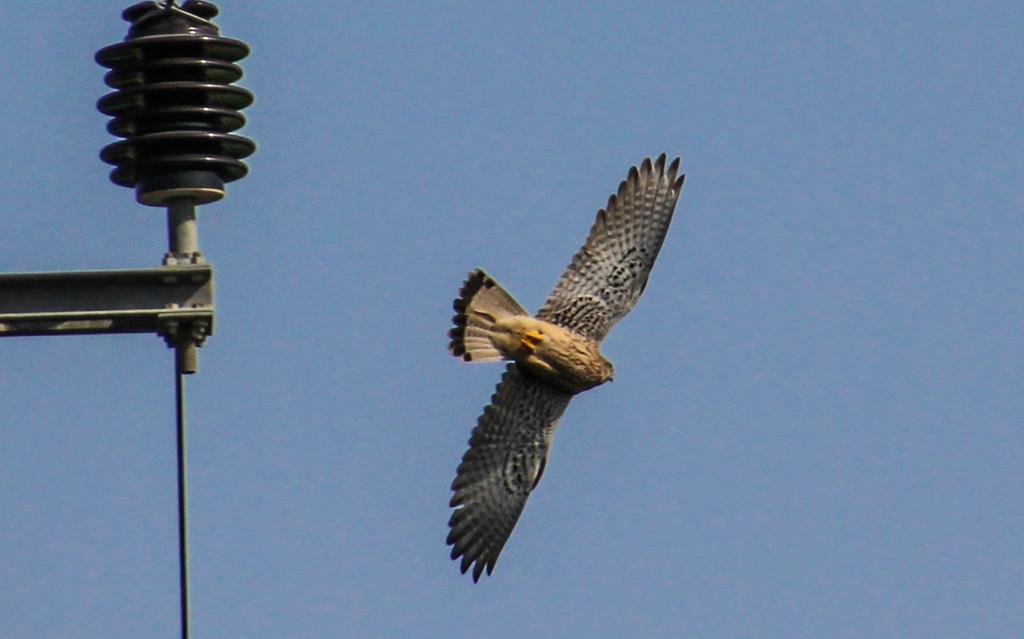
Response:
column 815, row 425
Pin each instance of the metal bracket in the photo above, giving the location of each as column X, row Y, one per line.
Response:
column 185, row 332
column 116, row 301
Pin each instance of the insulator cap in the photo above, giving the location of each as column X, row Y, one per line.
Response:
column 174, row 104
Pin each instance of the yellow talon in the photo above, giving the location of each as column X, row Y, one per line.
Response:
column 530, row 340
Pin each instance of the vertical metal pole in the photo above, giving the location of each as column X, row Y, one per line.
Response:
column 183, row 248
column 182, row 231
column 179, row 392
column 183, row 245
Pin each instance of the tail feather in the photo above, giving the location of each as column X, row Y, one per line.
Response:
column 481, row 302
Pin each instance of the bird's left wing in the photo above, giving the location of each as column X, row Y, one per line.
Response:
column 506, row 457
column 608, row 274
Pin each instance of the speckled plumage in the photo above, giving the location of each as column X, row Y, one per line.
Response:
column 555, row 356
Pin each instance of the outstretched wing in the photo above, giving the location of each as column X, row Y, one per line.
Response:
column 506, row 456
column 606, row 277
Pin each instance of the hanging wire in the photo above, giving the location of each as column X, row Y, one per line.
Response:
column 179, row 393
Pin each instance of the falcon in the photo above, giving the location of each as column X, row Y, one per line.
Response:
column 552, row 357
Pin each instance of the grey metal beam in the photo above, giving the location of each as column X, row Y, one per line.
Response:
column 155, row 300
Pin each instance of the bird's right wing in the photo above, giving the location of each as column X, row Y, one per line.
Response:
column 505, row 460
column 608, row 274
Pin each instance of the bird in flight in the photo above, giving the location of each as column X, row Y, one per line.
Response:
column 553, row 356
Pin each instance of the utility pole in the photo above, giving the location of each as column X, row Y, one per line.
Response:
column 175, row 106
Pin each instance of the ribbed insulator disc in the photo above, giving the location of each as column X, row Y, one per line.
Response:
column 175, row 104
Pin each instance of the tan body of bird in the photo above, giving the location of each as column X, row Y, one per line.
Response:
column 486, row 331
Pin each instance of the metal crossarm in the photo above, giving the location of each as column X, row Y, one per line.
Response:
column 114, row 301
